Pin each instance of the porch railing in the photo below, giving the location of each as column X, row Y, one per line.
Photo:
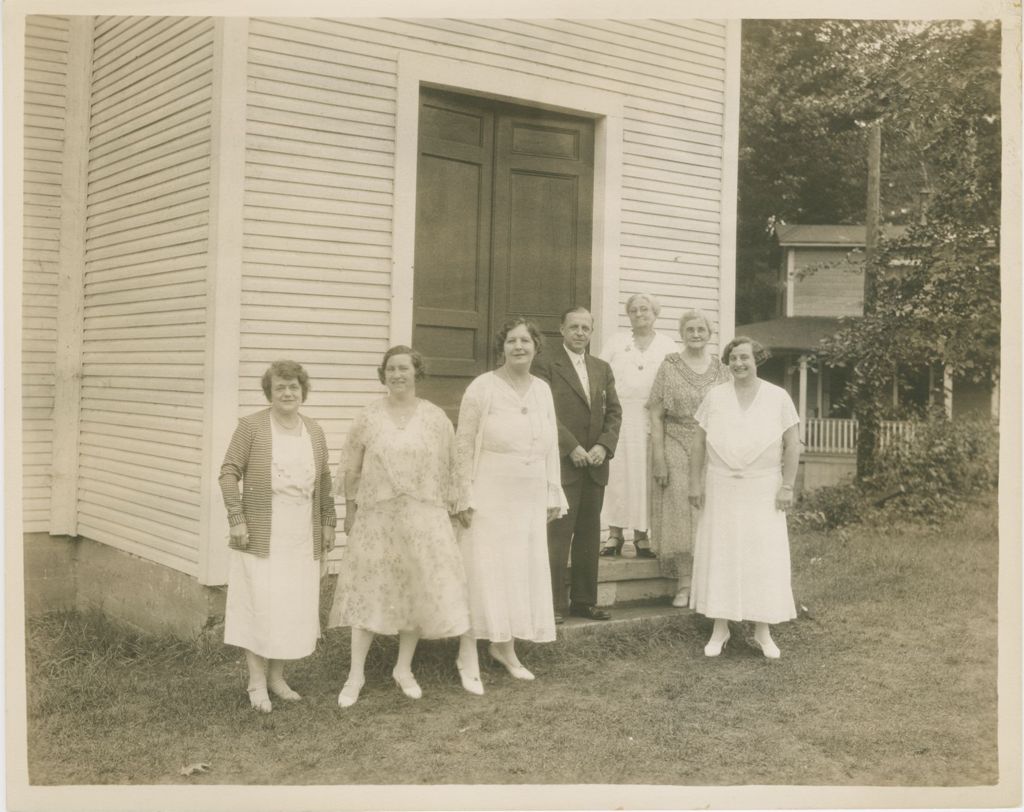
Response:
column 838, row 435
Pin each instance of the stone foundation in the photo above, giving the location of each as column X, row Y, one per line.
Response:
column 63, row 573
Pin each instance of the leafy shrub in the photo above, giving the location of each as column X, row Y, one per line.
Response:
column 944, row 462
column 830, row 507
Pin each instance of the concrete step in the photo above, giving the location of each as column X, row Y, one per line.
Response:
column 625, row 581
column 627, row 569
column 631, row 616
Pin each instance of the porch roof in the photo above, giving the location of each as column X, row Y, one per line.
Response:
column 798, row 234
column 791, row 333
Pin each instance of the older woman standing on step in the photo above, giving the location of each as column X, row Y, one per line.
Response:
column 635, row 358
column 282, row 524
column 679, row 387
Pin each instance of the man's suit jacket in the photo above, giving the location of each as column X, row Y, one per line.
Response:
column 580, row 423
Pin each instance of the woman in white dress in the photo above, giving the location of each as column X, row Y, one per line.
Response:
column 282, row 524
column 634, row 358
column 510, row 487
column 402, row 572
column 748, row 435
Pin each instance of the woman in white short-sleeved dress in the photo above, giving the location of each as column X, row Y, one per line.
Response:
column 748, row 434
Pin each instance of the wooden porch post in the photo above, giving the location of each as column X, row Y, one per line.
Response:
column 822, row 410
column 947, row 391
column 802, row 411
column 70, row 281
column 224, row 285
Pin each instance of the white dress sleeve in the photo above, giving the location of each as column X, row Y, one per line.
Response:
column 471, row 417
column 552, row 460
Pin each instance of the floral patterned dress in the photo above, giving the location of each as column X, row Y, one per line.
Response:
column 678, row 390
column 402, row 570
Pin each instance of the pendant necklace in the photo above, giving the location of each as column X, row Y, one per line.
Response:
column 511, row 383
column 401, row 417
column 642, row 351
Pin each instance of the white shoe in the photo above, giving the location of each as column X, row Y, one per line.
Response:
column 350, row 693
column 472, row 682
column 768, row 648
column 407, row 682
column 714, row 647
column 259, row 700
column 682, row 598
column 517, row 671
column 283, row 690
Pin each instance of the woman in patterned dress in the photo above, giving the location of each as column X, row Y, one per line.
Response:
column 635, row 358
column 282, row 525
column 679, row 387
column 402, row 573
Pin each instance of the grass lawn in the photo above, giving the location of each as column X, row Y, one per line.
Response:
column 888, row 679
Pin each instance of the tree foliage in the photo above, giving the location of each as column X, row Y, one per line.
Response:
column 938, row 286
column 809, row 90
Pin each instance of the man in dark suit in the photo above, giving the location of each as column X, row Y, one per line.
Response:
column 589, row 415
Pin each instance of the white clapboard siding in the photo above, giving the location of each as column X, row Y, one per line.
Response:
column 145, row 319
column 829, row 282
column 320, row 144
column 46, row 55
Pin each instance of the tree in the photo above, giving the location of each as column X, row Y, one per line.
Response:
column 938, row 286
column 809, row 87
column 809, row 90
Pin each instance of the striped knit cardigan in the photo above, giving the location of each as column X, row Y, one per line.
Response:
column 248, row 460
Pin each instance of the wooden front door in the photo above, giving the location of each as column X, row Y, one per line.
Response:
column 503, row 228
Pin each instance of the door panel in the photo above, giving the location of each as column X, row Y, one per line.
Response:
column 543, row 197
column 503, row 228
column 451, row 287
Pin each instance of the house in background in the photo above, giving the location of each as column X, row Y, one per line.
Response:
column 821, row 281
column 204, row 195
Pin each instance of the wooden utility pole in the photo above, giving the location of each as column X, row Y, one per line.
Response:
column 867, row 418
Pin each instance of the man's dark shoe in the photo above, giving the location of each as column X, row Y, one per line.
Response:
column 589, row 612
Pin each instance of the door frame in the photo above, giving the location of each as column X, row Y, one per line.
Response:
column 606, row 109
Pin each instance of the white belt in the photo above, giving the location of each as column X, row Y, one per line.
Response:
column 738, row 473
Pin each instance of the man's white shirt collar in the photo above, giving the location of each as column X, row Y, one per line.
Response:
column 577, row 357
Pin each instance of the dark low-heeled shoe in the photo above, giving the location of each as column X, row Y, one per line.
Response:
column 589, row 612
column 645, row 552
column 609, row 550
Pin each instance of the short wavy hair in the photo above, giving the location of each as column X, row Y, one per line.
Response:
column 286, row 371
column 402, row 349
column 647, row 297
column 760, row 353
column 694, row 315
column 509, row 326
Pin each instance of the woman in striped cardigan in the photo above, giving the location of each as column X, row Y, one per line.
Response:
column 282, row 523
